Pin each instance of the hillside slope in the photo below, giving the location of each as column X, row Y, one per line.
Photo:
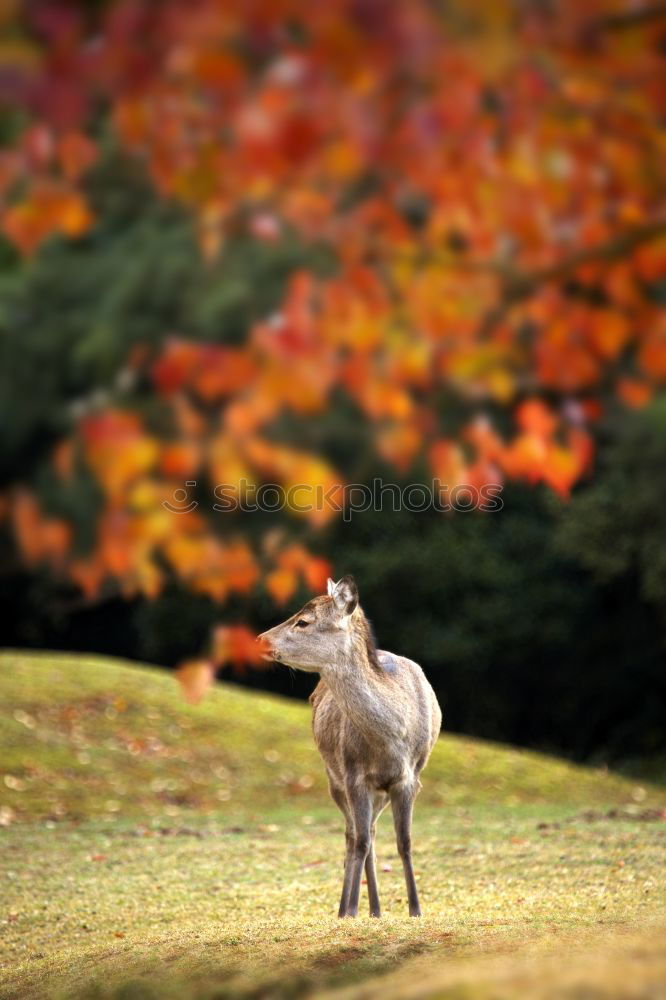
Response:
column 84, row 736
column 192, row 853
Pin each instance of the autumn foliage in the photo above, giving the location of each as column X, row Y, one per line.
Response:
column 488, row 181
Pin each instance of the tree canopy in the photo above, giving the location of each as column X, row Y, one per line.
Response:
column 427, row 236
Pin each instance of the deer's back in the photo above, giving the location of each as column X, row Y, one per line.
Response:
column 383, row 757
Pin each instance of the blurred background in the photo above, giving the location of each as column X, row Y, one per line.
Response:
column 318, row 244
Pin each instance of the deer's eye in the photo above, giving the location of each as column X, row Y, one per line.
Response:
column 301, row 623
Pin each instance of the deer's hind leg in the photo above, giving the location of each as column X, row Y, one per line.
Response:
column 402, row 803
column 340, row 800
column 370, row 862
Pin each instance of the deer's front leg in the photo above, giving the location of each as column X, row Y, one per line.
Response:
column 340, row 800
column 402, row 803
column 346, row 881
column 360, row 805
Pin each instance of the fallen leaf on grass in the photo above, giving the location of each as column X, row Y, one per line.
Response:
column 7, row 815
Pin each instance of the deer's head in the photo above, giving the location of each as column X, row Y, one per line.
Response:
column 317, row 635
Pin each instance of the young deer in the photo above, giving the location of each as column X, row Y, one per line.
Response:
column 375, row 721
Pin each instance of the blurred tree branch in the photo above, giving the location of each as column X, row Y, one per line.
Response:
column 517, row 285
column 628, row 19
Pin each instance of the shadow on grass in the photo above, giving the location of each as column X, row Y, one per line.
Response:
column 339, row 967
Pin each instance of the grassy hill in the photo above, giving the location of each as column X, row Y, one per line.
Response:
column 87, row 737
column 151, row 849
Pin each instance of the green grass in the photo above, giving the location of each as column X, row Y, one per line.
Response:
column 155, row 849
column 85, row 737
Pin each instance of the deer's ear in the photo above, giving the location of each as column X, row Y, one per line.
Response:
column 330, row 587
column 345, row 594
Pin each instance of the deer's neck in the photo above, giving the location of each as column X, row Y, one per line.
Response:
column 364, row 696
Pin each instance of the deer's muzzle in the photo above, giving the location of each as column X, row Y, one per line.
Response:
column 265, row 646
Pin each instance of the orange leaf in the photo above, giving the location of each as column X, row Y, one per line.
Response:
column 73, row 216
column 48, row 208
column 222, row 370
column 180, row 459
column 26, row 225
column 88, row 574
column 195, row 678
column 26, row 517
column 240, row 567
column 175, row 366
column 447, row 463
column 399, row 444
column 634, row 392
column 609, row 332
column 536, row 418
column 525, row 457
column 56, row 537
column 316, row 571
column 652, row 352
column 561, row 470
column 281, row 584
column 76, row 153
column 236, row 644
column 296, row 559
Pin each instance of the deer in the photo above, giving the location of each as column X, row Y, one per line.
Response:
column 375, row 721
